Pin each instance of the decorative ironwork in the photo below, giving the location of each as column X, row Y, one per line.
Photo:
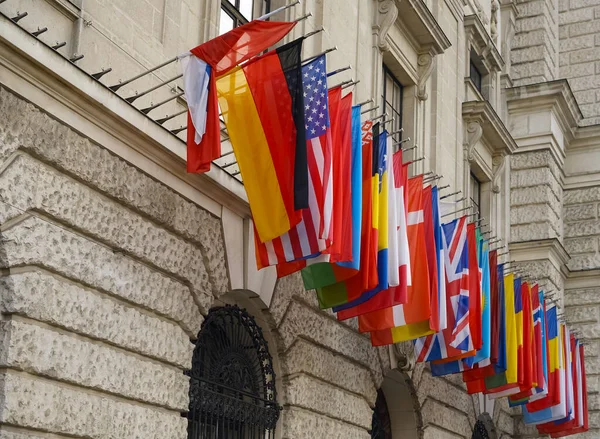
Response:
column 381, row 427
column 232, row 381
column 480, row 432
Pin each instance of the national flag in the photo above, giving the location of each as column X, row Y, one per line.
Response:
column 202, row 68
column 320, row 274
column 374, row 267
column 398, row 294
column 483, row 354
column 258, row 102
column 407, row 321
column 557, row 411
column 475, row 315
column 553, row 360
column 312, row 234
column 439, row 245
column 455, row 340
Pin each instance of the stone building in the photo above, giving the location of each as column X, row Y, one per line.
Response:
column 112, row 256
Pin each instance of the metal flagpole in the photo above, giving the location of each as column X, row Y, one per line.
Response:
column 365, row 102
column 278, row 10
column 307, row 60
column 343, row 69
column 370, row 109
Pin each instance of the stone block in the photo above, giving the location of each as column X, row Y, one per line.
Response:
column 581, row 314
column 528, row 54
column 590, row 331
column 590, row 110
column 585, row 296
column 318, row 396
column 306, row 357
column 446, row 417
column 576, row 43
column 520, row 178
column 586, row 195
column 576, row 71
column 530, row 8
column 576, row 4
column 537, row 213
column 440, row 389
column 83, row 362
column 52, row 299
column 536, row 159
column 542, row 194
column 585, row 55
column 25, row 126
column 582, row 228
column 580, row 212
column 580, row 245
column 584, row 262
column 302, row 321
column 575, row 16
column 584, row 83
column 303, row 424
column 32, row 185
column 53, row 407
column 34, row 241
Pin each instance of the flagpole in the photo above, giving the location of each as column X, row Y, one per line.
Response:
column 370, row 109
column 307, row 60
column 343, row 69
column 360, row 104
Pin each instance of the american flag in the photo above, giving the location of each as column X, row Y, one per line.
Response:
column 456, row 339
column 313, row 233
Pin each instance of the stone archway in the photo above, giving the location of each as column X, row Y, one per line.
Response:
column 402, row 404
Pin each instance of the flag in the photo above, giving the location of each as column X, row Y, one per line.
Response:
column 559, row 410
column 454, row 340
column 320, row 274
column 474, row 288
column 257, row 103
column 398, row 294
column 482, row 354
column 432, row 260
column 439, row 245
column 552, row 361
column 374, row 261
column 411, row 320
column 201, row 69
column 311, row 234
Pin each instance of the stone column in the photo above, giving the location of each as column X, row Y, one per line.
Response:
column 534, row 55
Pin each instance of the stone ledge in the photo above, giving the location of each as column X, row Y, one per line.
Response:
column 45, row 297
column 29, row 184
column 304, row 424
column 33, row 241
column 57, row 355
column 308, row 358
column 62, row 409
column 26, row 126
column 318, row 396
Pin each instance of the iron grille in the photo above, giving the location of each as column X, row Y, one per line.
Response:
column 232, row 381
column 480, row 432
column 381, row 427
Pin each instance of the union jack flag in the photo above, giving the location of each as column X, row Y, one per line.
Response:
column 455, row 340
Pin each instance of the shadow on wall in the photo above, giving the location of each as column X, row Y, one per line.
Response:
column 402, row 406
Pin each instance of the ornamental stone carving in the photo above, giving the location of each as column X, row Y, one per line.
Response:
column 494, row 20
column 473, row 133
column 425, row 63
column 405, row 356
column 498, row 164
column 388, row 13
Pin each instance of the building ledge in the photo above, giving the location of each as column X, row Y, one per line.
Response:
column 482, row 44
column 492, row 128
column 422, row 25
column 45, row 78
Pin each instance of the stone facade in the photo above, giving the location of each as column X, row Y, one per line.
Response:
column 111, row 255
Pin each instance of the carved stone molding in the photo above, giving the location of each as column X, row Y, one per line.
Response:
column 425, row 63
column 473, row 132
column 494, row 20
column 498, row 164
column 388, row 13
column 405, row 356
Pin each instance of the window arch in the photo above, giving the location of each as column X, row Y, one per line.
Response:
column 232, row 381
column 381, row 427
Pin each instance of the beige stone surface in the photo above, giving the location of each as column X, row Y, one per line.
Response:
column 303, row 424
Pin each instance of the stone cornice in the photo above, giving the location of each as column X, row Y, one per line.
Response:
column 493, row 130
column 477, row 35
column 551, row 249
column 39, row 74
column 422, row 25
column 511, row 5
column 556, row 95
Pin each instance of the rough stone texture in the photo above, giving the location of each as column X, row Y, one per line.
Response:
column 435, row 412
column 51, row 299
column 579, row 50
column 309, row 393
column 33, row 241
column 82, row 414
column 25, row 126
column 302, row 424
column 86, row 363
column 306, row 357
column 582, row 227
column 30, row 185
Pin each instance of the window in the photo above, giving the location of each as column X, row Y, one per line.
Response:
column 232, row 381
column 237, row 12
column 381, row 425
column 475, row 191
column 475, row 75
column 392, row 96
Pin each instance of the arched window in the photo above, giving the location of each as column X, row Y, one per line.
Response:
column 232, row 381
column 381, row 427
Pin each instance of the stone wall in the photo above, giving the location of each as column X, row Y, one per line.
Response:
column 580, row 54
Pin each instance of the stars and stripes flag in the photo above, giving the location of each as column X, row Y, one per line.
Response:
column 455, row 340
column 313, row 233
